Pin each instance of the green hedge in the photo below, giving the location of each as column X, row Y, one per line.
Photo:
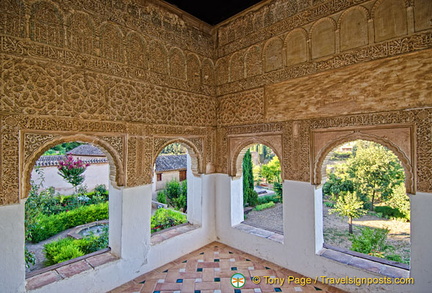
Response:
column 269, row 198
column 47, row 226
column 69, row 248
column 165, row 218
column 389, row 212
column 264, row 206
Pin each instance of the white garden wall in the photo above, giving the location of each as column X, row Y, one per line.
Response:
column 95, row 174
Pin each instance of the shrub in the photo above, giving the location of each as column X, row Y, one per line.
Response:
column 61, row 250
column 165, row 218
column 329, row 204
column 278, row 189
column 29, row 258
column 252, row 197
column 47, row 226
column 69, row 248
column 269, row 198
column 264, row 206
column 389, row 212
column 161, row 197
column 370, row 241
column 101, row 189
column 176, row 194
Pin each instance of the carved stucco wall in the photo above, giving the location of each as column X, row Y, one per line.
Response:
column 325, row 65
column 125, row 76
column 133, row 76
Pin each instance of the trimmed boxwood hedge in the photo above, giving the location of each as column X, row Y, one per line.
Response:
column 47, row 226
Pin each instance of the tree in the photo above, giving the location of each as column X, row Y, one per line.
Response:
column 250, row 196
column 375, row 171
column 337, row 184
column 349, row 206
column 272, row 171
column 72, row 170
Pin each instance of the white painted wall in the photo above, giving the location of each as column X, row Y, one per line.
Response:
column 167, row 176
column 130, row 211
column 421, row 240
column 298, row 252
column 130, row 238
column 95, row 174
column 237, row 201
column 12, row 264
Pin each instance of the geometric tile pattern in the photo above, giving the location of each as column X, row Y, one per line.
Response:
column 210, row 270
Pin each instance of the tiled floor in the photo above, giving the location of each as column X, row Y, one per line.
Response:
column 209, row 270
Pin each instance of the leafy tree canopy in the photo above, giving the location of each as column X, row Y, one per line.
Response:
column 373, row 171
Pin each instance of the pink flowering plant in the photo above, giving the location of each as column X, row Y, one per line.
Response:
column 71, row 170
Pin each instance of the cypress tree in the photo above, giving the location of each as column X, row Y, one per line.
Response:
column 250, row 197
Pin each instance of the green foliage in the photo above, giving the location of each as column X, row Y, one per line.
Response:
column 71, row 170
column 371, row 241
column 165, row 218
column 336, row 185
column 349, row 206
column 176, row 194
column 376, row 172
column 277, row 187
column 400, row 201
column 46, row 226
column 29, row 258
column 101, row 189
column 174, row 149
column 250, row 197
column 272, row 171
column 373, row 172
column 264, row 206
column 69, row 248
column 161, row 197
column 329, row 204
column 61, row 250
column 269, row 198
column 390, row 213
column 48, row 203
column 62, row 149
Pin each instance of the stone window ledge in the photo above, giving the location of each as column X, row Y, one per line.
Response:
column 67, row 269
column 171, row 232
column 274, row 236
column 366, row 262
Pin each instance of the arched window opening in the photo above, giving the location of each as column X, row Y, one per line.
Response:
column 67, row 209
column 365, row 205
column 170, row 203
column 261, row 189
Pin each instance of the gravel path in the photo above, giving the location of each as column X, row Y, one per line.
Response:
column 270, row 219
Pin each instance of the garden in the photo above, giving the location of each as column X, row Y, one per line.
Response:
column 262, row 188
column 50, row 217
column 365, row 205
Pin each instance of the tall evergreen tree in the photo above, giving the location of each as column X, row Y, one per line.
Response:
column 250, row 197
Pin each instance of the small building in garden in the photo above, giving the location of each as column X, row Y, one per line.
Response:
column 169, row 167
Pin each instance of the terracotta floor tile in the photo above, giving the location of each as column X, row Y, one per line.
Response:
column 217, row 263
